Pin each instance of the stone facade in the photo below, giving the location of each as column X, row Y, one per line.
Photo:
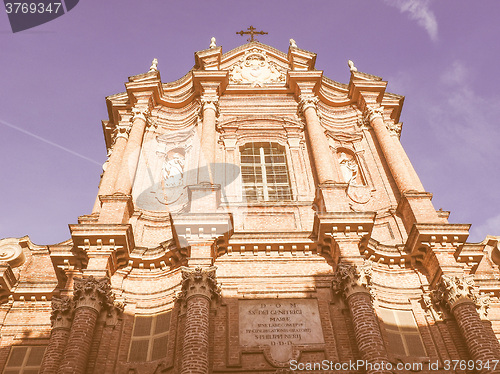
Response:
column 254, row 216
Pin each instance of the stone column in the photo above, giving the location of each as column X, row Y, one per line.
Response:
column 392, row 153
column 209, row 109
column 199, row 287
column 321, row 153
column 90, row 296
column 456, row 293
column 131, row 153
column 61, row 317
column 354, row 282
column 113, row 164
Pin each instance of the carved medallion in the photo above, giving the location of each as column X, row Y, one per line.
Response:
column 256, row 69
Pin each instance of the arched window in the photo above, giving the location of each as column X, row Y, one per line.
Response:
column 264, row 173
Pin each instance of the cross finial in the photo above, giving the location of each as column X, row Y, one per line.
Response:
column 251, row 31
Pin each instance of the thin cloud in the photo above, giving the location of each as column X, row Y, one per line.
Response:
column 419, row 11
column 49, row 142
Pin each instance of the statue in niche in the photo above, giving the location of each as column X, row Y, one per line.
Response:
column 349, row 168
column 357, row 190
column 173, row 170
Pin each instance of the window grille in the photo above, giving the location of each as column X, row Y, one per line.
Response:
column 264, row 173
column 149, row 338
column 402, row 332
column 24, row 360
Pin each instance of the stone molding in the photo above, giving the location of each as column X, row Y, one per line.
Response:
column 93, row 293
column 62, row 312
column 307, row 101
column 351, row 279
column 199, row 282
column 453, row 290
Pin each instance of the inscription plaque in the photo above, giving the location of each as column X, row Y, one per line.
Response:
column 280, row 324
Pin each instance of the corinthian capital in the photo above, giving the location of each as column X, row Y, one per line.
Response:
column 140, row 112
column 93, row 293
column 453, row 290
column 62, row 312
column 372, row 113
column 350, row 279
column 307, row 101
column 199, row 282
column 121, row 131
column 209, row 102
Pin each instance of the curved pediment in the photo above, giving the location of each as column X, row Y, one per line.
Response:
column 256, row 65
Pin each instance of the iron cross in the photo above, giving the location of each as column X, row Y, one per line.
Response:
column 252, row 32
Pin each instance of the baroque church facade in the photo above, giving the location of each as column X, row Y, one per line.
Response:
column 254, row 216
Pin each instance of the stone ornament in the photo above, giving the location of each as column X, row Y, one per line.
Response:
column 209, row 102
column 372, row 113
column 351, row 279
column 213, row 43
column 352, row 68
column 62, row 312
column 142, row 113
column 11, row 252
column 483, row 306
column 394, row 128
column 453, row 290
column 93, row 293
column 154, row 65
column 293, row 44
column 199, row 282
column 256, row 70
column 307, row 101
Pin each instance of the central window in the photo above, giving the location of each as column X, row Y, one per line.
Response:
column 264, row 173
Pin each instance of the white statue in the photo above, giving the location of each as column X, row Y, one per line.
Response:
column 212, row 42
column 154, row 65
column 352, row 68
column 349, row 168
column 293, row 44
column 173, row 170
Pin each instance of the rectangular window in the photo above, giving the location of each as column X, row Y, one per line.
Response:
column 402, row 332
column 264, row 173
column 24, row 360
column 149, row 337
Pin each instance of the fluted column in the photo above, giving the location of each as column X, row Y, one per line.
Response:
column 199, row 287
column 321, row 154
column 131, row 152
column 90, row 296
column 354, row 282
column 456, row 293
column 391, row 151
column 209, row 109
column 61, row 317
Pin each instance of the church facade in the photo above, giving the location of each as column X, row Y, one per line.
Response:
column 254, row 216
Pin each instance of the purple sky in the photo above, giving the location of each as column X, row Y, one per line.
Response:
column 441, row 55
